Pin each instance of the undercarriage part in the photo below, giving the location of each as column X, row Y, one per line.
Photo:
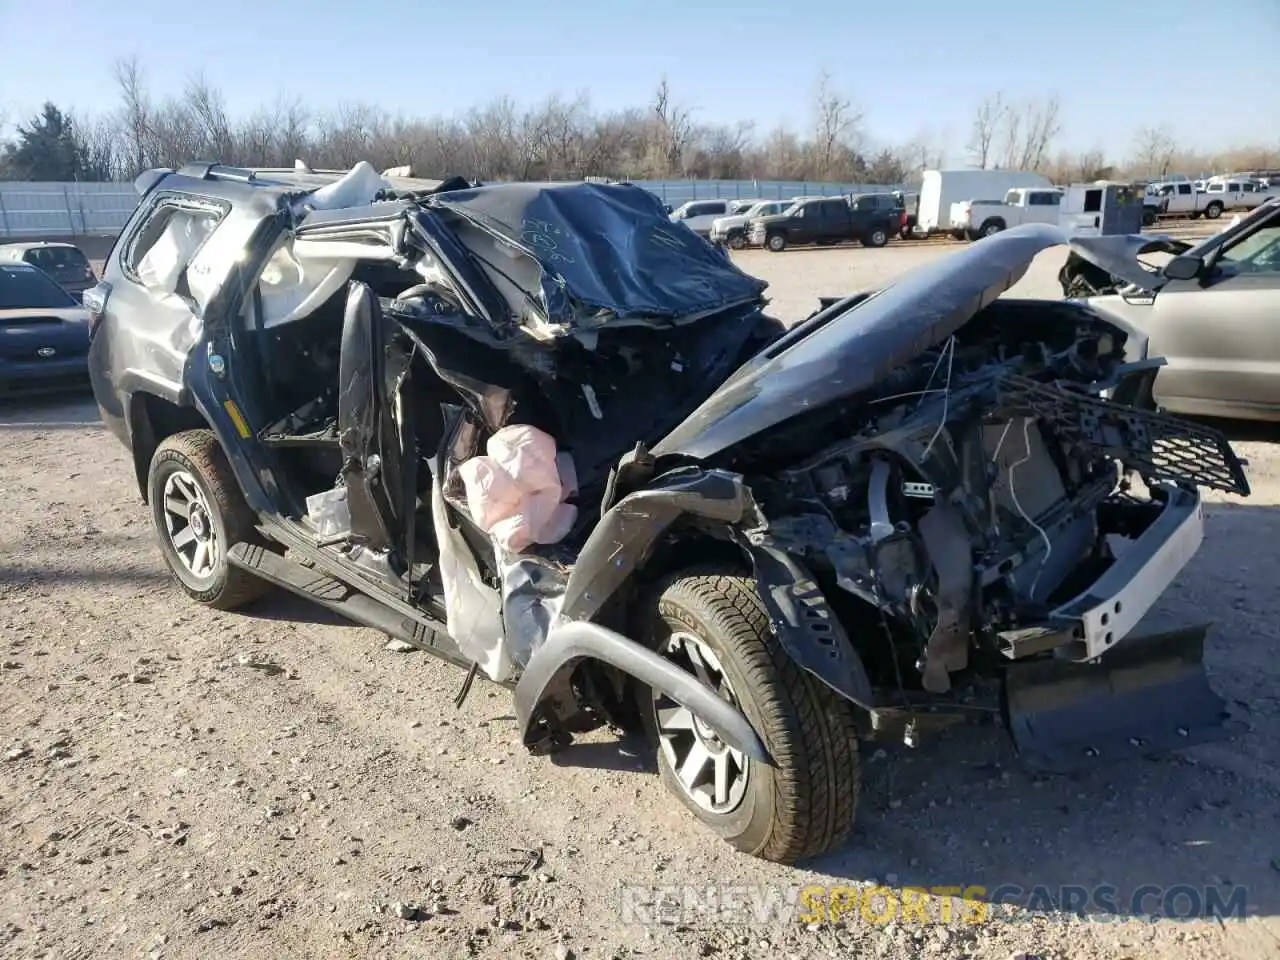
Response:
column 947, row 544
column 1147, row 696
column 1157, row 446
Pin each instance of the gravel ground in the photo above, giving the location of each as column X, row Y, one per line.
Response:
column 176, row 782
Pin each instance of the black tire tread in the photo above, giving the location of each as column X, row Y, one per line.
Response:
column 203, row 451
column 809, row 728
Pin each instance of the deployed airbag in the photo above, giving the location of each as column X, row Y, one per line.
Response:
column 516, row 490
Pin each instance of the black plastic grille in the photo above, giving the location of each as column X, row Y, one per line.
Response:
column 1156, row 445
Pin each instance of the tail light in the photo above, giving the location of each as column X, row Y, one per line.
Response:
column 95, row 302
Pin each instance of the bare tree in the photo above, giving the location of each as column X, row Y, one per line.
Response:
column 835, row 123
column 563, row 137
column 988, row 119
column 208, row 113
column 674, row 127
column 135, row 110
column 1153, row 151
column 1037, row 124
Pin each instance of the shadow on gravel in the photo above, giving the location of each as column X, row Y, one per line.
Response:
column 20, row 574
column 628, row 753
column 73, row 409
column 1178, row 836
column 281, row 605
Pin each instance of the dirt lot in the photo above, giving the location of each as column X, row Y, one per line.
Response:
column 181, row 783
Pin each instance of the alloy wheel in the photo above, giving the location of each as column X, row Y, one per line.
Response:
column 710, row 772
column 189, row 524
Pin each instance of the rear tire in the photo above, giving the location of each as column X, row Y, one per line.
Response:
column 876, row 238
column 199, row 512
column 806, row 803
column 1214, row 210
column 991, row 228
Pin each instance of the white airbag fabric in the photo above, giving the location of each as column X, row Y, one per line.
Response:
column 516, row 491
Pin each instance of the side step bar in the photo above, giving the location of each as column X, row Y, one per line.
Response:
column 346, row 601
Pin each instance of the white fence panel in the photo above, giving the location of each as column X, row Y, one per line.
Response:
column 41, row 209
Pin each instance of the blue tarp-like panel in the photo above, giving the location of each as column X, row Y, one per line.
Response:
column 606, row 247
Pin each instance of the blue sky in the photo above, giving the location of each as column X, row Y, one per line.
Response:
column 1210, row 71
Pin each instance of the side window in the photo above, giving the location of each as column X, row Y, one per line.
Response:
column 160, row 251
column 1092, row 201
column 864, row 203
column 1249, row 187
column 1184, row 189
column 834, row 209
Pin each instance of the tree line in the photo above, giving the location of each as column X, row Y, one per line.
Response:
column 564, row 138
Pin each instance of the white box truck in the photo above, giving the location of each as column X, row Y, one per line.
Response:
column 939, row 189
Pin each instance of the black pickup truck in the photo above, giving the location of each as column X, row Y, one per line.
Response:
column 871, row 218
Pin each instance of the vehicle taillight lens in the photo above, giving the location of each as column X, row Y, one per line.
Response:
column 95, row 302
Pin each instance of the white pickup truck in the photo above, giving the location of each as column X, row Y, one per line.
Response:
column 1234, row 194
column 981, row 218
column 1183, row 198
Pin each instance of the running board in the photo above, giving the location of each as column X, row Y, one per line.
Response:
column 344, row 600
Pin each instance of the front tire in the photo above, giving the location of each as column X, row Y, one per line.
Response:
column 1213, row 211
column 199, row 512
column 715, row 624
column 737, row 241
column 777, row 242
column 876, row 238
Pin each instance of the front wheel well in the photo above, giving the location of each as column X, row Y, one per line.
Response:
column 151, row 420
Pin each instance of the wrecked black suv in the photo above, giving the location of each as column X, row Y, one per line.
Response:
column 538, row 431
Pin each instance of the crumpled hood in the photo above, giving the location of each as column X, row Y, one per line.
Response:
column 844, row 350
column 1118, row 256
column 603, row 248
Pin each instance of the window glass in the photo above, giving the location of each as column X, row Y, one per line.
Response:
column 23, row 287
column 167, row 243
column 58, row 259
column 1257, row 253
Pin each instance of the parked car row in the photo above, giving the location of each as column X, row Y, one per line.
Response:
column 869, row 218
column 44, row 329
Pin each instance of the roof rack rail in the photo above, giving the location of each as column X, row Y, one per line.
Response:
column 209, row 170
